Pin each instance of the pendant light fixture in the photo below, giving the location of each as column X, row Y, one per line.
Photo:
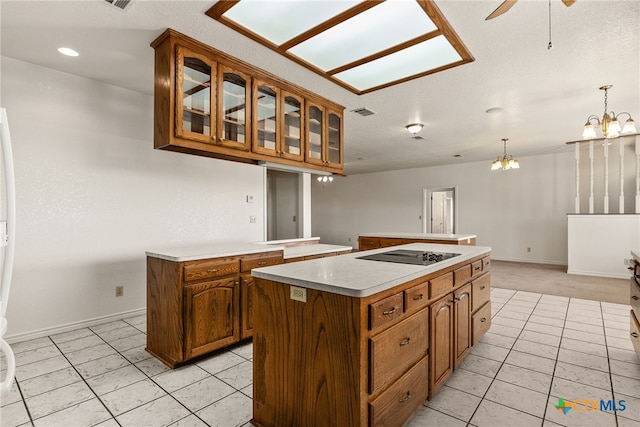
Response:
column 609, row 123
column 505, row 162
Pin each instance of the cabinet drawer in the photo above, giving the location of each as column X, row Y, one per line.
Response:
column 481, row 322
column 415, row 298
column 476, row 268
column 462, row 275
column 441, row 285
column 247, row 263
column 635, row 296
column 635, row 333
column 385, row 310
column 396, row 349
column 481, row 291
column 486, row 263
column 397, row 404
column 209, row 269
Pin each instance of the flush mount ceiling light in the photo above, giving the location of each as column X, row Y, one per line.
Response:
column 609, row 123
column 414, row 128
column 68, row 51
column 505, row 162
column 360, row 45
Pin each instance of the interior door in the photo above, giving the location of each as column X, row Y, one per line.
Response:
column 438, row 211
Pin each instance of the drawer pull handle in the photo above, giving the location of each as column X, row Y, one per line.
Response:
column 482, row 287
column 630, row 268
column 388, row 312
column 406, row 397
column 635, row 298
column 477, row 268
column 635, row 334
column 417, row 297
column 262, row 263
column 213, row 270
column 405, row 342
column 484, row 319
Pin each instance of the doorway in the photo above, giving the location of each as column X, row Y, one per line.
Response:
column 439, row 210
column 282, row 205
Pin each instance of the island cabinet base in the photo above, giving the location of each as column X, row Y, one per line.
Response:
column 328, row 359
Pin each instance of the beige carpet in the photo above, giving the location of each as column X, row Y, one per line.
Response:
column 554, row 280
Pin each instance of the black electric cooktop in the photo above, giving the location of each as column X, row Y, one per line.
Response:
column 410, row 257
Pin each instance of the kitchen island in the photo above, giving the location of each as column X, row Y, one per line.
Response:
column 357, row 342
column 367, row 241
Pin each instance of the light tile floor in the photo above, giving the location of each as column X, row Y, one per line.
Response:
column 540, row 348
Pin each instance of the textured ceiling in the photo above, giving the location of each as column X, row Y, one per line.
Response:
column 546, row 95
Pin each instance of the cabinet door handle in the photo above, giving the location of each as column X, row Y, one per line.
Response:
column 406, row 397
column 630, row 268
column 405, row 342
column 388, row 312
column 262, row 263
column 213, row 270
column 484, row 319
column 634, row 334
column 477, row 268
column 635, row 298
column 482, row 287
column 418, row 297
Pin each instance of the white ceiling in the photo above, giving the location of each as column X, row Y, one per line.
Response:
column 546, row 94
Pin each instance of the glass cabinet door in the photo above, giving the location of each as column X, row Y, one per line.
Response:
column 315, row 135
column 266, row 110
column 194, row 113
column 235, row 111
column 293, row 119
column 334, row 138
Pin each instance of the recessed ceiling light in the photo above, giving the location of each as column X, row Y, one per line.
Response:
column 494, row 110
column 67, row 51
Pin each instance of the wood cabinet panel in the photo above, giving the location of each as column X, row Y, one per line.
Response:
column 402, row 399
column 481, row 292
column 246, row 305
column 462, row 275
column 416, row 297
column 481, row 322
column 212, row 320
column 441, row 285
column 634, row 328
column 367, row 243
column 476, row 268
column 441, row 342
column 635, row 295
column 209, row 269
column 396, row 349
column 462, row 323
column 486, row 263
column 385, row 310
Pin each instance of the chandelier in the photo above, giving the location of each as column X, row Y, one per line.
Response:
column 505, row 162
column 324, row 179
column 609, row 124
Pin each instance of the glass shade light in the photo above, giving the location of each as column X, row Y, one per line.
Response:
column 414, row 127
column 589, row 132
column 325, row 179
column 629, row 127
column 613, row 128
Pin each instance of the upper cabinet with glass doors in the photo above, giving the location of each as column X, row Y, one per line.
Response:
column 210, row 104
column 324, row 136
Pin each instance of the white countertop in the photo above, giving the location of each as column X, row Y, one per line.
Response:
column 192, row 253
column 313, row 249
column 347, row 275
column 433, row 236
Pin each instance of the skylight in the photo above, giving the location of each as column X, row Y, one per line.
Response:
column 361, row 45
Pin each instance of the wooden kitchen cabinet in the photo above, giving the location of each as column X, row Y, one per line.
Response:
column 211, row 314
column 442, row 342
column 372, row 241
column 208, row 103
column 324, row 136
column 196, row 307
column 462, row 323
column 634, row 324
column 369, row 361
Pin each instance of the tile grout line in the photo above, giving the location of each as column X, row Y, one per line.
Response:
column 606, row 346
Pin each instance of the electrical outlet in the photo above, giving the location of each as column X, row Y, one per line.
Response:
column 119, row 291
column 252, row 219
column 528, row 249
column 298, row 294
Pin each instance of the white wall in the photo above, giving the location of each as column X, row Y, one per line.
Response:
column 507, row 210
column 93, row 195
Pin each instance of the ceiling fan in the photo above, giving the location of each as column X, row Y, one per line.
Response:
column 507, row 4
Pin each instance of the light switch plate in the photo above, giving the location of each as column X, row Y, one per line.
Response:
column 249, row 199
column 298, row 294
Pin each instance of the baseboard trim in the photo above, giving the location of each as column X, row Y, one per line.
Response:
column 45, row 332
column 530, row 261
column 599, row 274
